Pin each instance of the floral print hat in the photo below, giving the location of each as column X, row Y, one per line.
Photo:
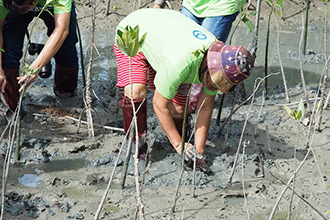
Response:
column 228, row 65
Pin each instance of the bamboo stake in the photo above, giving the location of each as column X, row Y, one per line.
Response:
column 243, row 182
column 301, row 67
column 281, row 65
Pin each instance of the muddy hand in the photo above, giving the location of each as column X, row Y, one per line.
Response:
column 21, row 80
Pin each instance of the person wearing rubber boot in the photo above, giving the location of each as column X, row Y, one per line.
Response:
column 167, row 62
column 15, row 16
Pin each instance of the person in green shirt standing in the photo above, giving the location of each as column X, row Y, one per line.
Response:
column 167, row 61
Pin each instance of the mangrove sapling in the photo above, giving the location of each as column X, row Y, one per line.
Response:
column 256, row 86
column 12, row 134
column 319, row 113
column 196, row 53
column 250, row 27
column 297, row 113
column 272, row 4
column 301, row 67
column 128, row 42
column 243, row 103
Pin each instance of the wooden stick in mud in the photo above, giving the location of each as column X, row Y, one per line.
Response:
column 301, row 67
column 281, row 65
column 243, row 103
column 243, row 184
column 88, row 103
column 110, row 181
column 268, row 140
column 255, row 140
column 320, row 111
column 241, row 138
column 224, row 147
column 194, row 167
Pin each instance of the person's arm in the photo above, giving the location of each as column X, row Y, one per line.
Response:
column 3, row 81
column 203, row 120
column 161, row 108
column 51, row 47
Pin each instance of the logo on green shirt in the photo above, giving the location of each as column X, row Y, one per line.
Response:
column 199, row 35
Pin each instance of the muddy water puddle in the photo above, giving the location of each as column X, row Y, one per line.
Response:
column 53, row 166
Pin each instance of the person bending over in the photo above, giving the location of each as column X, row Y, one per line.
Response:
column 167, row 61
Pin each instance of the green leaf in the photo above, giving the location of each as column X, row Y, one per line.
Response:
column 196, row 53
column 142, row 40
column 279, row 13
column 130, row 49
column 120, row 43
column 2, row 49
column 136, row 47
column 301, row 108
column 48, row 2
column 239, row 4
column 113, row 8
column 252, row 13
column 297, row 114
column 248, row 23
column 319, row 105
column 288, row 110
column 268, row 4
column 121, row 46
column 278, row 3
column 62, row 7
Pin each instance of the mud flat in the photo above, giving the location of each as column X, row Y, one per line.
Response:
column 63, row 174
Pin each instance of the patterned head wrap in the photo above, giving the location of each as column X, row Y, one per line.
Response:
column 228, row 65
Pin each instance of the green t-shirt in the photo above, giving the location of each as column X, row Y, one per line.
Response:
column 170, row 42
column 210, row 8
column 66, row 3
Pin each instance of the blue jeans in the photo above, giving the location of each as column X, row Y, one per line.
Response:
column 14, row 30
column 219, row 26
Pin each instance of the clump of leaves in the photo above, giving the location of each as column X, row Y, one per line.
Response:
column 128, row 40
column 296, row 114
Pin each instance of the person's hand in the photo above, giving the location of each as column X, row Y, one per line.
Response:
column 21, row 80
column 3, row 81
column 186, row 147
